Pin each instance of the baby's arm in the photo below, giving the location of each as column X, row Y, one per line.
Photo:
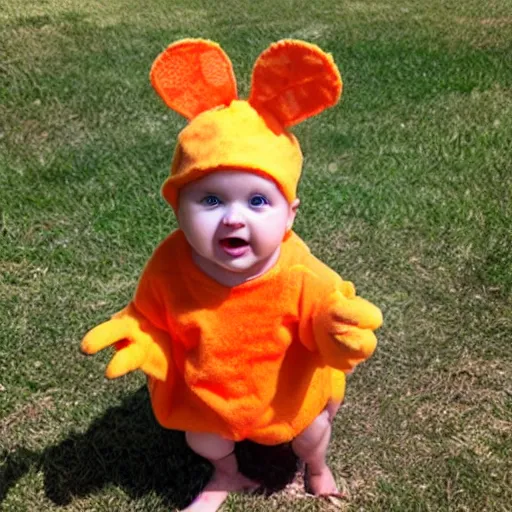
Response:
column 137, row 333
column 139, row 345
column 343, row 326
column 335, row 321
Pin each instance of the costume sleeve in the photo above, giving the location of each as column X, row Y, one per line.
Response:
column 148, row 299
column 335, row 321
column 137, row 332
column 148, row 308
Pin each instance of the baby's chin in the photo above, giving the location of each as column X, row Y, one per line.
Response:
column 237, row 266
column 249, row 266
column 235, row 270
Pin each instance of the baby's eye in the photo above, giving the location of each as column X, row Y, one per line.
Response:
column 210, row 201
column 258, row 200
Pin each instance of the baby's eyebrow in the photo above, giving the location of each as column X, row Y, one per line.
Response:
column 208, row 192
column 267, row 193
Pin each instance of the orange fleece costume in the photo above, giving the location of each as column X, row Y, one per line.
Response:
column 260, row 360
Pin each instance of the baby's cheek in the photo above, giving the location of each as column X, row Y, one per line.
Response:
column 275, row 229
column 205, row 226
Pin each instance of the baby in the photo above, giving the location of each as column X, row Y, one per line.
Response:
column 242, row 332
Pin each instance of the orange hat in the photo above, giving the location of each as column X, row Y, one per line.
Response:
column 291, row 81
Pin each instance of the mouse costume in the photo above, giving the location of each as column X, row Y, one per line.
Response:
column 259, row 360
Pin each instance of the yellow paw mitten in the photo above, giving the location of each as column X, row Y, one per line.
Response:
column 138, row 345
column 343, row 327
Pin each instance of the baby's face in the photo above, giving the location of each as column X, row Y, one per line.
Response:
column 235, row 222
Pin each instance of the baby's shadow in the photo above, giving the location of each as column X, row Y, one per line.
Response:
column 127, row 448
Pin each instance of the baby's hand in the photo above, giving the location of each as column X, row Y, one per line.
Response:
column 138, row 345
column 343, row 329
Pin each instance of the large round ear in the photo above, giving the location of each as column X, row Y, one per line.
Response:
column 294, row 80
column 194, row 75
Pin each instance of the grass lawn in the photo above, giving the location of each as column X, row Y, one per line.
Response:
column 407, row 191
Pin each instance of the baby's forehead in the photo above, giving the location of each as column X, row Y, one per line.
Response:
column 234, row 179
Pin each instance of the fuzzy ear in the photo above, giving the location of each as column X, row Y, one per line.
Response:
column 294, row 80
column 193, row 75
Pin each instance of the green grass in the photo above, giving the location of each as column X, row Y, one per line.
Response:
column 407, row 191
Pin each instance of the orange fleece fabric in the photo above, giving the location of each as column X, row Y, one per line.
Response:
column 258, row 361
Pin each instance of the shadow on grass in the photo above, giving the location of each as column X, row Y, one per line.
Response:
column 126, row 448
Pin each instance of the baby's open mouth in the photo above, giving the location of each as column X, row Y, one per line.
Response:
column 233, row 242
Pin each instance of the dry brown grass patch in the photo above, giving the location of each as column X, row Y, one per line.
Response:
column 497, row 22
column 29, row 424
column 28, row 46
column 466, row 406
column 41, row 128
column 407, row 431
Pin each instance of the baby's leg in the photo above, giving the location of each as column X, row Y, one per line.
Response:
column 226, row 477
column 311, row 446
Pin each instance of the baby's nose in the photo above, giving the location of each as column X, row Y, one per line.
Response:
column 233, row 218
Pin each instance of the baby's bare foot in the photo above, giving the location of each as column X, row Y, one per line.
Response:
column 217, row 490
column 321, row 482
